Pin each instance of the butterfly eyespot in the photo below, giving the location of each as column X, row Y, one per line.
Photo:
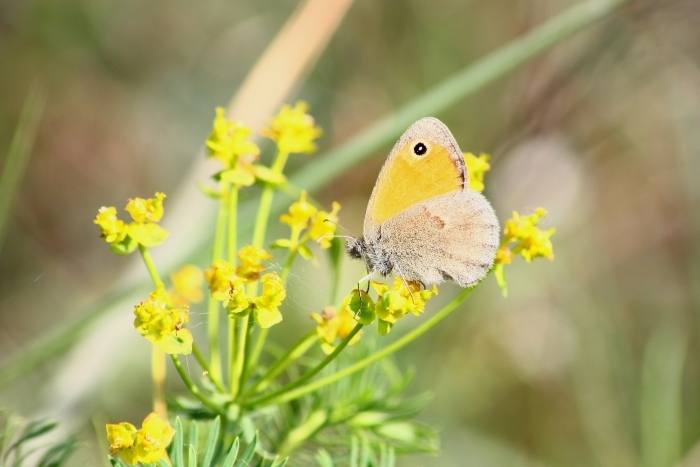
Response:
column 419, row 149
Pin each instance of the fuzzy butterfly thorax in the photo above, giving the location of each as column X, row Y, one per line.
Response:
column 422, row 221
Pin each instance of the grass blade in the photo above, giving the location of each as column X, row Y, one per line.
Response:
column 18, row 155
column 661, row 409
column 210, row 448
column 324, row 459
column 193, row 435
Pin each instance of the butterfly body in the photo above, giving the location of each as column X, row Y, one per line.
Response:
column 422, row 222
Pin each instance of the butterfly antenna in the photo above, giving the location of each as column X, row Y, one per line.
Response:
column 338, row 225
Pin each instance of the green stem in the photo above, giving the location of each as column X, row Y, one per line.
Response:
column 287, row 394
column 193, row 387
column 213, row 306
column 149, row 265
column 257, row 350
column 205, row 366
column 292, row 354
column 280, row 393
column 258, row 240
column 232, row 249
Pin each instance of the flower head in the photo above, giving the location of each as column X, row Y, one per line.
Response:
column 112, row 229
column 398, row 301
column 219, row 277
column 299, row 213
column 323, row 226
column 332, row 325
column 159, row 323
column 146, row 445
column 476, row 168
column 229, row 140
column 251, row 262
column 146, row 210
column 532, row 241
column 238, row 301
column 187, row 286
column 293, row 129
column 267, row 304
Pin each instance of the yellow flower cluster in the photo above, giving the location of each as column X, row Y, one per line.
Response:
column 532, row 242
column 522, row 236
column 320, row 224
column 392, row 303
column 476, row 168
column 144, row 230
column 229, row 140
column 227, row 284
column 332, row 325
column 293, row 129
column 163, row 325
column 146, row 445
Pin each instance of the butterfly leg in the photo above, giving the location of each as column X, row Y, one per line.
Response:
column 366, row 278
column 405, row 283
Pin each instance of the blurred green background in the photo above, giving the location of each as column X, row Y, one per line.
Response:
column 588, row 362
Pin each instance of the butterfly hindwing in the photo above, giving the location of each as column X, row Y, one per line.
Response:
column 451, row 237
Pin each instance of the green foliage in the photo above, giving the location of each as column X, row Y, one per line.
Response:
column 20, row 438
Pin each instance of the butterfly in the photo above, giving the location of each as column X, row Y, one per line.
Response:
column 423, row 223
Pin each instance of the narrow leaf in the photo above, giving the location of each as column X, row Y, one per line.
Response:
column 211, row 443
column 177, row 458
column 231, row 458
column 248, row 453
column 324, row 459
column 192, row 457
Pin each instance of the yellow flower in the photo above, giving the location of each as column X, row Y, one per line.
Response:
column 299, row 213
column 152, row 439
column 146, row 210
column 229, row 140
column 532, row 241
column 396, row 302
column 237, row 301
column 219, row 277
column 322, row 229
column 476, row 168
column 146, row 445
column 293, row 129
column 121, row 438
column 251, row 258
column 332, row 325
column 159, row 323
column 267, row 305
column 187, row 286
column 113, row 230
column 504, row 255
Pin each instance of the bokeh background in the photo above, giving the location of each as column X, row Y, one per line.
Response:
column 591, row 359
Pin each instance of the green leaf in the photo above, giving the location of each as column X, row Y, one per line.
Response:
column 238, row 177
column 354, row 452
column 57, row 455
column 148, row 235
column 211, row 443
column 193, row 443
column 324, row 459
column 162, row 463
column 248, row 453
column 192, row 456
column 307, row 254
column 231, row 458
column 176, row 453
column 268, row 176
column 126, row 246
column 281, row 243
column 209, row 191
column 500, row 274
column 282, row 463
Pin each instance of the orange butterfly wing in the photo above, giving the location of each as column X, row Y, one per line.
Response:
column 408, row 178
